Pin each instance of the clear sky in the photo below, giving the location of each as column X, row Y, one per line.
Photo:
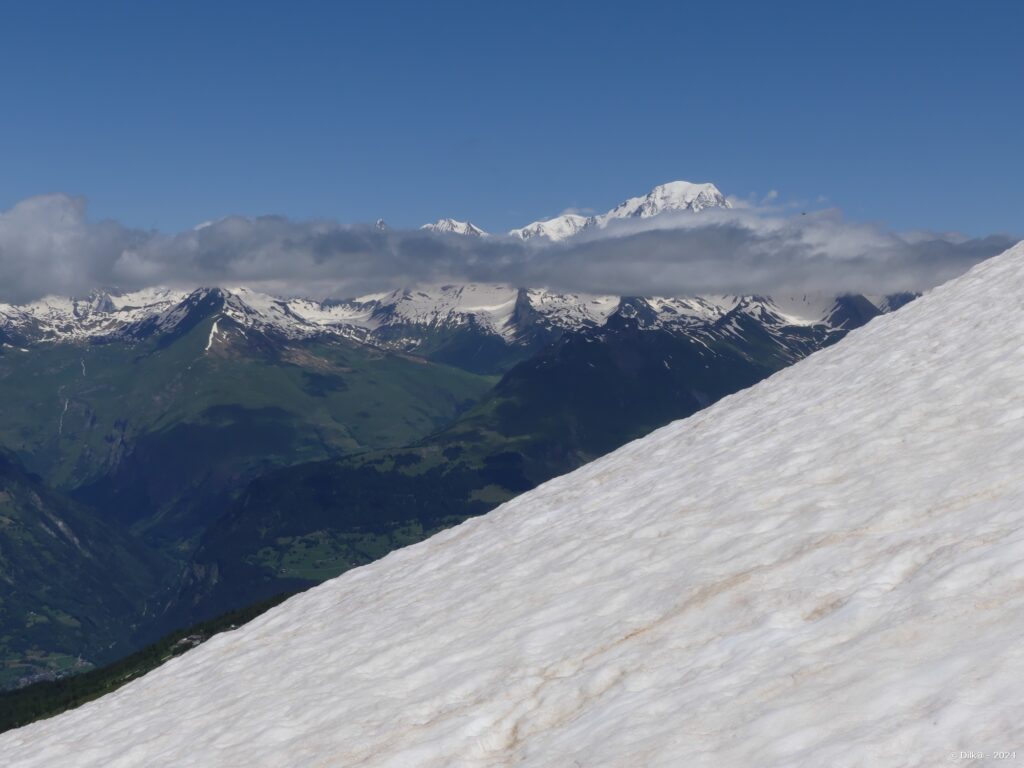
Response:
column 167, row 114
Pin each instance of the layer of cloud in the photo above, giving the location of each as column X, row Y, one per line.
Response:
column 48, row 245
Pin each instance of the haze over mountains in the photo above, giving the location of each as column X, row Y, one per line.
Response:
column 680, row 239
column 400, row 319
column 821, row 570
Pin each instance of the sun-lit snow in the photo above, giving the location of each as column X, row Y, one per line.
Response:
column 558, row 228
column 213, row 335
column 673, row 196
column 455, row 227
column 147, row 298
column 572, row 310
column 826, row 569
column 690, row 311
column 489, row 308
column 101, row 313
column 438, row 305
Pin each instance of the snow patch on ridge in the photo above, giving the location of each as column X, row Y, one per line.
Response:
column 213, row 335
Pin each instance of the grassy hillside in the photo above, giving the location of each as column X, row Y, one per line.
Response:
column 580, row 398
column 73, row 590
column 136, row 447
column 159, row 435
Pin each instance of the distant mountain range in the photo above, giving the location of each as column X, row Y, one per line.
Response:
column 482, row 327
column 258, row 444
column 664, row 198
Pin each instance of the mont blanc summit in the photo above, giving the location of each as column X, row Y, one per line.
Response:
column 664, row 198
column 847, row 533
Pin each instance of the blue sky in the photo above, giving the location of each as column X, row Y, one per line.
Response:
column 167, row 114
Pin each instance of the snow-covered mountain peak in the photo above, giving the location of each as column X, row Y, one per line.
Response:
column 824, row 569
column 673, row 196
column 399, row 318
column 147, row 297
column 558, row 228
column 455, row 227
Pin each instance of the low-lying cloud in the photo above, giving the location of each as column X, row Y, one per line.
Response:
column 48, row 245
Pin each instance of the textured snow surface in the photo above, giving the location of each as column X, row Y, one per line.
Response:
column 826, row 569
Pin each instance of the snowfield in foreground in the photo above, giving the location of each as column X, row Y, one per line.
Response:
column 824, row 570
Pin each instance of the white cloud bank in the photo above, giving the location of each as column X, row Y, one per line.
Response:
column 48, row 245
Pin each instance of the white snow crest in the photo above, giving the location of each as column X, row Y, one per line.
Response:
column 452, row 226
column 673, row 196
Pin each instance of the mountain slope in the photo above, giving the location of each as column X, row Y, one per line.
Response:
column 164, row 426
column 822, row 570
column 589, row 392
column 157, row 410
column 580, row 397
column 72, row 589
